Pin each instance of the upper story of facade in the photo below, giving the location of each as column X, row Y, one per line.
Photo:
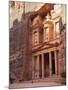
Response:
column 47, row 30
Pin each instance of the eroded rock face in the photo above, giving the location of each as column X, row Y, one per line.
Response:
column 46, row 8
column 20, row 51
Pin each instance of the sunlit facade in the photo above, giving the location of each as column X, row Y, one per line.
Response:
column 46, row 54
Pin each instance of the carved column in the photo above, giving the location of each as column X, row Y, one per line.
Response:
column 55, row 62
column 37, row 67
column 42, row 65
column 50, row 64
column 33, row 67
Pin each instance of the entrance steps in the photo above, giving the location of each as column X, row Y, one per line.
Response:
column 51, row 79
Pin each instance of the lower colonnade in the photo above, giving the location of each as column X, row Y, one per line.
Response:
column 45, row 65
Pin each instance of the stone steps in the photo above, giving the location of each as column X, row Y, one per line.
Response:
column 47, row 80
column 57, row 80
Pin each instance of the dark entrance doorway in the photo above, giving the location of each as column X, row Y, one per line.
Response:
column 46, row 64
column 53, row 62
